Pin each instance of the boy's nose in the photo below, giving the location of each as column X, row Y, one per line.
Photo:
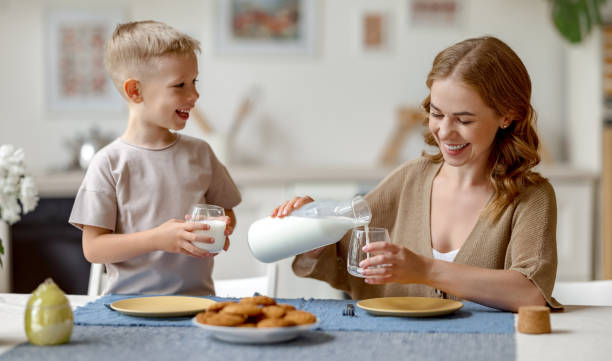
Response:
column 194, row 96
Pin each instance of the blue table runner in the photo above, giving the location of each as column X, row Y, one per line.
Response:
column 100, row 343
column 472, row 318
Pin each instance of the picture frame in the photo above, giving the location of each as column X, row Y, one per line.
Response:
column 260, row 27
column 443, row 14
column 375, row 31
column 76, row 79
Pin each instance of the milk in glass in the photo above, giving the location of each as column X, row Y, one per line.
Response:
column 216, row 231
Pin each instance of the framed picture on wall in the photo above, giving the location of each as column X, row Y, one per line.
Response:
column 375, row 31
column 436, row 13
column 74, row 59
column 266, row 26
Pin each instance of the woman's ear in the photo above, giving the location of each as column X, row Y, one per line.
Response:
column 132, row 90
column 506, row 121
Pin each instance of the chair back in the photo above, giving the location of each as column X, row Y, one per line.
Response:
column 95, row 279
column 246, row 287
column 239, row 287
column 591, row 293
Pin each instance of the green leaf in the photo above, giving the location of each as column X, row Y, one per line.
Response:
column 575, row 19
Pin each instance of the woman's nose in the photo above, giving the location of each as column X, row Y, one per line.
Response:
column 445, row 128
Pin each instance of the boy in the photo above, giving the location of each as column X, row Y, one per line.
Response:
column 138, row 186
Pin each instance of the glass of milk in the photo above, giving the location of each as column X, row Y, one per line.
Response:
column 359, row 238
column 213, row 216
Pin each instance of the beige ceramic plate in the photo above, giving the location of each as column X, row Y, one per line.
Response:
column 409, row 306
column 161, row 306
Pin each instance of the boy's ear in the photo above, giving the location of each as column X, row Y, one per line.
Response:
column 132, row 90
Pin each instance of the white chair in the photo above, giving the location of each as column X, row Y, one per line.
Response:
column 95, row 279
column 241, row 287
column 591, row 293
column 246, row 287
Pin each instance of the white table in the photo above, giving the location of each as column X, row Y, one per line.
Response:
column 580, row 333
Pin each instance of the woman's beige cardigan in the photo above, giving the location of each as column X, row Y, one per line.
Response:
column 522, row 239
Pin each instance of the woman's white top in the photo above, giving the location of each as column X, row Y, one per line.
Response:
column 448, row 256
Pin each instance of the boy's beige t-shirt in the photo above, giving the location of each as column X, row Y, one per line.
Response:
column 129, row 189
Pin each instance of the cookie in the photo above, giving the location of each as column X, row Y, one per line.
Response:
column 274, row 322
column 218, row 306
column 256, row 319
column 259, row 300
column 202, row 316
column 246, row 309
column 287, row 307
column 225, row 319
column 273, row 311
column 300, row 317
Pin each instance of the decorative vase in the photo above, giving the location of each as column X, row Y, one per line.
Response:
column 5, row 270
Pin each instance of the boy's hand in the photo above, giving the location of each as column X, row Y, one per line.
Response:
column 228, row 223
column 176, row 236
column 228, row 231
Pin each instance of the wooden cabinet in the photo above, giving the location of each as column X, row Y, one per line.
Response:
column 45, row 245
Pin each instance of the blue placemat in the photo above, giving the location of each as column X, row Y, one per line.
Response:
column 99, row 313
column 472, row 318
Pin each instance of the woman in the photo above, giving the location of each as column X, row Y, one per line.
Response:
column 473, row 220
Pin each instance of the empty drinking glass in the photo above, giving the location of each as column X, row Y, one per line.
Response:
column 359, row 238
column 213, row 216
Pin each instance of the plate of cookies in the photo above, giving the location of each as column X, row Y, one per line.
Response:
column 257, row 319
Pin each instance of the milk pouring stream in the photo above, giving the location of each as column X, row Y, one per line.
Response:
column 314, row 225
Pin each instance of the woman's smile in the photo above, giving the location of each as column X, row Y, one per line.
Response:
column 455, row 149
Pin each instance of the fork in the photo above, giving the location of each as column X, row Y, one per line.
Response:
column 349, row 310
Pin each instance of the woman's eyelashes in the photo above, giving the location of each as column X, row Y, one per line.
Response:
column 459, row 120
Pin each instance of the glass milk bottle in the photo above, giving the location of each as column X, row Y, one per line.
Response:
column 314, row 225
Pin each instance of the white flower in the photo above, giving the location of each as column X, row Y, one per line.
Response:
column 6, row 151
column 10, row 211
column 29, row 195
column 15, row 186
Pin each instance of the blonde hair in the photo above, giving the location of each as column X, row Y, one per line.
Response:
column 135, row 44
column 498, row 75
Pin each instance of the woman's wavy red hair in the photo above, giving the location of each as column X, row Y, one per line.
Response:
column 499, row 76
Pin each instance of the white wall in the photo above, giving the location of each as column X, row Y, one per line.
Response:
column 335, row 107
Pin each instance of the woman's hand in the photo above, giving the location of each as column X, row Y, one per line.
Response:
column 397, row 264
column 176, row 236
column 286, row 208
